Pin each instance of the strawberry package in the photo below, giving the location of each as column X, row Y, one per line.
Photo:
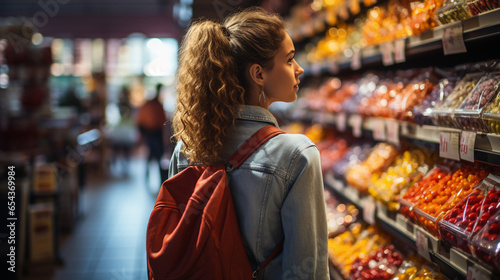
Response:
column 485, row 244
column 471, row 214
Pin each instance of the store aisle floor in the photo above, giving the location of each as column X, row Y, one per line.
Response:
column 108, row 241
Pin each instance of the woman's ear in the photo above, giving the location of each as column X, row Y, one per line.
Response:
column 255, row 72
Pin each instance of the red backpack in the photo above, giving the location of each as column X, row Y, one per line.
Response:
column 193, row 232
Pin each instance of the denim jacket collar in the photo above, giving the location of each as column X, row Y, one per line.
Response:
column 256, row 113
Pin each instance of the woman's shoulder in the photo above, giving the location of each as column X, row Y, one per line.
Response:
column 294, row 141
column 290, row 147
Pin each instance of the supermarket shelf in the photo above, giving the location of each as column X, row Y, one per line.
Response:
column 453, row 262
column 478, row 33
column 486, row 148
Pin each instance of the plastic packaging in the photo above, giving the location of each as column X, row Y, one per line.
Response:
column 468, row 115
column 443, row 114
column 471, row 214
column 452, row 11
column 419, row 190
column 491, row 115
column 380, row 264
column 407, row 169
column 427, row 273
column 440, row 92
column 379, row 159
column 485, row 244
column 445, row 195
column 339, row 215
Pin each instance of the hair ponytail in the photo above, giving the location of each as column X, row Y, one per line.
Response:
column 209, row 92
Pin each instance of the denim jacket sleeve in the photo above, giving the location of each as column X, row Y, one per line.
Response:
column 305, row 251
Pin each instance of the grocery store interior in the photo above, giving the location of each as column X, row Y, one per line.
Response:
column 401, row 97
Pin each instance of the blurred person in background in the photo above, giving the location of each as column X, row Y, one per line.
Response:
column 123, row 135
column 151, row 119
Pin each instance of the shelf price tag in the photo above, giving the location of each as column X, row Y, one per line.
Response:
column 392, row 131
column 387, row 49
column 467, row 144
column 423, row 245
column 369, row 211
column 356, row 122
column 378, row 127
column 399, row 51
column 356, row 59
column 453, row 39
column 341, row 119
column 475, row 273
column 448, row 145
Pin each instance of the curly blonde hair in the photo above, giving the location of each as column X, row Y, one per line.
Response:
column 211, row 81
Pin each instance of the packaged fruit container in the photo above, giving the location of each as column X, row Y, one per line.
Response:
column 415, row 91
column 381, row 264
column 476, row 7
column 485, row 245
column 471, row 214
column 407, row 169
column 339, row 215
column 491, row 115
column 380, row 157
column 354, row 243
column 468, row 115
column 440, row 92
column 443, row 114
column 409, row 268
column 427, row 273
column 444, row 195
column 419, row 190
column 452, row 11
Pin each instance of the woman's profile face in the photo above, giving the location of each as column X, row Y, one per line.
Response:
column 282, row 81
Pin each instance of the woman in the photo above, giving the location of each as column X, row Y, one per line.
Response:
column 228, row 75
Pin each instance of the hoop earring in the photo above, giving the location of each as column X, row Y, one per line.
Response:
column 262, row 94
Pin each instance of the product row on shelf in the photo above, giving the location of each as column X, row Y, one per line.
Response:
column 466, row 97
column 349, row 47
column 448, row 210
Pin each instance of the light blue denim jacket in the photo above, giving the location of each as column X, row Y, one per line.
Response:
column 278, row 195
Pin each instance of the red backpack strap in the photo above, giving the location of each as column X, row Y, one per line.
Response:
column 250, row 145
column 276, row 251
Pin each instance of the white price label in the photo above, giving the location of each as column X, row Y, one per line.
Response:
column 341, row 119
column 475, row 273
column 467, row 144
column 453, row 39
column 356, row 122
column 387, row 49
column 369, row 211
column 378, row 127
column 423, row 246
column 399, row 51
column 392, row 132
column 356, row 60
column 448, row 145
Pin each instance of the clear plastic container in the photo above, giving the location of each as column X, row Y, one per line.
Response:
column 440, row 92
column 468, row 115
column 485, row 245
column 471, row 214
column 452, row 11
column 491, row 115
column 442, row 197
column 443, row 114
column 419, row 190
